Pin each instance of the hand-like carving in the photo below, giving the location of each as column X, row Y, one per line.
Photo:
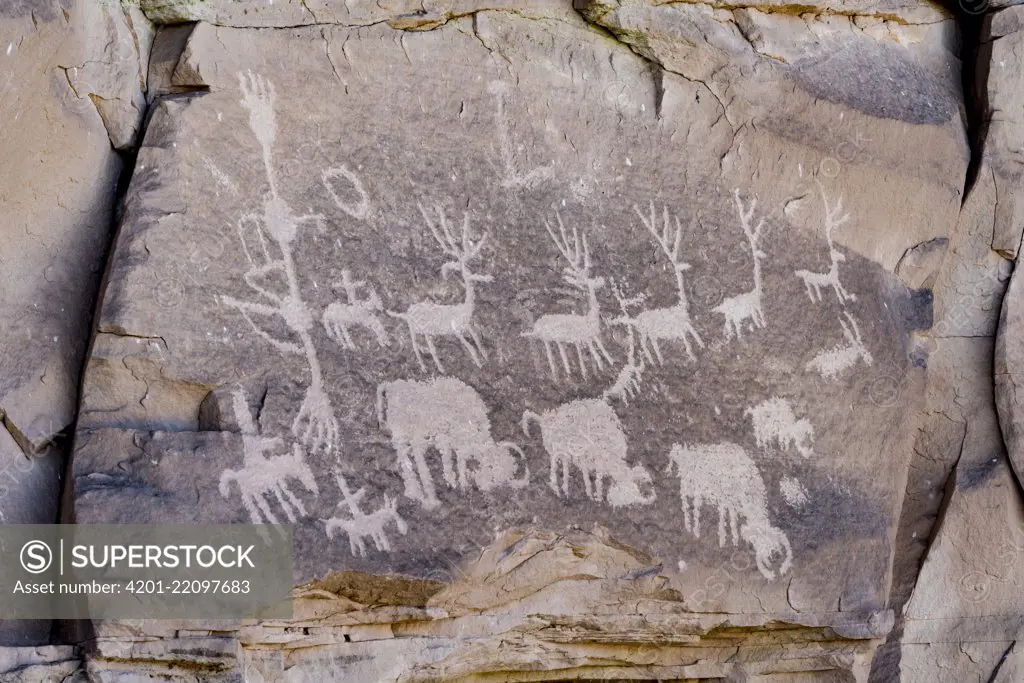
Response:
column 315, row 422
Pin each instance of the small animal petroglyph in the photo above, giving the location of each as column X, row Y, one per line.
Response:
column 672, row 322
column 448, row 415
column 831, row 363
column 775, row 424
column 339, row 317
column 262, row 476
column 427, row 319
column 580, row 331
column 834, row 217
column 587, row 434
column 723, row 476
column 359, row 526
column 737, row 310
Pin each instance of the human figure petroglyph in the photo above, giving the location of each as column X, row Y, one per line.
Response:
column 514, row 178
column 832, row 362
column 674, row 321
column 834, row 218
column 448, row 415
column 738, row 309
column 723, row 476
column 776, row 424
column 339, row 317
column 559, row 329
column 588, row 435
column 261, row 475
column 360, row 526
column 315, row 423
column 427, row 319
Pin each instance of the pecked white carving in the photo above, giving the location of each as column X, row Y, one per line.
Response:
column 315, row 423
column 338, row 318
column 776, row 424
column 448, row 415
column 514, row 178
column 559, row 329
column 359, row 526
column 723, row 476
column 834, row 218
column 673, row 322
column 738, row 309
column 587, row 435
column 261, row 475
column 427, row 319
column 627, row 382
column 833, row 362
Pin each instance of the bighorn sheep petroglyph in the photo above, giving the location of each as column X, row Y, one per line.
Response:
column 448, row 415
column 724, row 476
column 587, row 434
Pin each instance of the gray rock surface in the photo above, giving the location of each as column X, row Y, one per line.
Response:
column 72, row 77
column 421, row 296
column 596, row 340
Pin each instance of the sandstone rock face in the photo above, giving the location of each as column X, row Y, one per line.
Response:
column 577, row 341
column 450, row 286
column 62, row 107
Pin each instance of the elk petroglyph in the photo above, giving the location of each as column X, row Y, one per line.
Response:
column 674, row 321
column 427, row 319
column 814, row 282
column 560, row 329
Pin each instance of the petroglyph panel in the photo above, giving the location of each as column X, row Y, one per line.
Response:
column 416, row 306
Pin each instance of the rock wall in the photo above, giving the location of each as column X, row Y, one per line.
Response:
column 593, row 340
